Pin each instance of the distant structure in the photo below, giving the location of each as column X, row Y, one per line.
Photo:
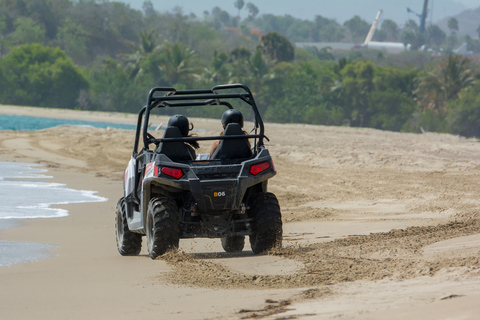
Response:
column 373, row 28
column 320, row 45
column 423, row 16
column 388, row 47
column 462, row 50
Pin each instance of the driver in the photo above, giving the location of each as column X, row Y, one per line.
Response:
column 185, row 126
column 229, row 116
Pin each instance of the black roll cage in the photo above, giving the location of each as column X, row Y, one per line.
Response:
column 191, row 98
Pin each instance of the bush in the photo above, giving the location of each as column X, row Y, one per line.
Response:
column 465, row 113
column 42, row 76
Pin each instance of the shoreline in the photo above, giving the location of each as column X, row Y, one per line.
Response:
column 43, row 112
column 15, row 252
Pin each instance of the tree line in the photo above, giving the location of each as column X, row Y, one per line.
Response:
column 105, row 56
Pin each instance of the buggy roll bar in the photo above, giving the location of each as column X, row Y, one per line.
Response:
column 183, row 98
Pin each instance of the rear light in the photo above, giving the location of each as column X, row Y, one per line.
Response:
column 172, row 172
column 259, row 168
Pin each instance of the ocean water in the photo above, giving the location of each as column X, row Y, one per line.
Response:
column 26, row 193
column 26, row 123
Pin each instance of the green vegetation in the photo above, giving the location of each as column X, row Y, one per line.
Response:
column 100, row 55
column 42, row 76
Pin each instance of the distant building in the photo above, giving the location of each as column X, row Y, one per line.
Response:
column 321, row 45
column 388, row 47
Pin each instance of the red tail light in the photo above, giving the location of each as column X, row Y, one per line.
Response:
column 258, row 168
column 172, row 172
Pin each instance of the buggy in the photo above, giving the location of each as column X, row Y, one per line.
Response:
column 170, row 194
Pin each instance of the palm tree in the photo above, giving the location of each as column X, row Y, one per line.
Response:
column 148, row 41
column 453, row 26
column 252, row 10
column 444, row 83
column 239, row 5
column 457, row 75
column 179, row 62
column 132, row 61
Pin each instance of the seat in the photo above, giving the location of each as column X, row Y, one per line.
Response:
column 175, row 150
column 233, row 148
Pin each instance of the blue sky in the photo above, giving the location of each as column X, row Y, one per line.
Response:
column 340, row 10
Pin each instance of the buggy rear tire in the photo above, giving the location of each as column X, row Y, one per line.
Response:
column 233, row 244
column 268, row 231
column 163, row 226
column 128, row 243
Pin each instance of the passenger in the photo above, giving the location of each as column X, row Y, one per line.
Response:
column 182, row 123
column 229, row 116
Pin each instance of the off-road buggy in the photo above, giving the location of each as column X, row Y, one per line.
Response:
column 169, row 194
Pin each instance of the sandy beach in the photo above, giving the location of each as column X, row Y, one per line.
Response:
column 376, row 225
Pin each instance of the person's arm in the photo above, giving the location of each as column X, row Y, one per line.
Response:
column 214, row 147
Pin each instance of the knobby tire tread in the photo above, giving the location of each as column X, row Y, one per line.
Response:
column 166, row 228
column 268, row 234
column 131, row 243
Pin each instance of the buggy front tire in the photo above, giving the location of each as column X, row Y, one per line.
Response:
column 233, row 244
column 163, row 226
column 128, row 242
column 268, row 231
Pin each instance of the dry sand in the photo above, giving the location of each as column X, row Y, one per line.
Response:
column 376, row 225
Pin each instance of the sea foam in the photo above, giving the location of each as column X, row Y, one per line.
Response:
column 24, row 196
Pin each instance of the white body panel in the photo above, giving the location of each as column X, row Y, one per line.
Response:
column 129, row 178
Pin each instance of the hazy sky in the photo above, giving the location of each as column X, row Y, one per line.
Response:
column 340, row 10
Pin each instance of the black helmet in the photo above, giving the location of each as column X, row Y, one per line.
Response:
column 181, row 122
column 232, row 116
